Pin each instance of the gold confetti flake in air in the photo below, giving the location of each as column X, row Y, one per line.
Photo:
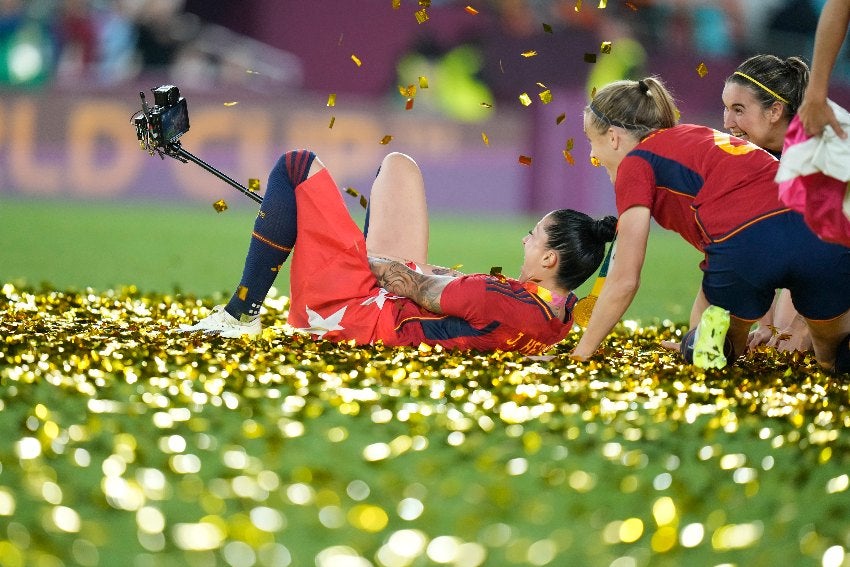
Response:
column 525, row 99
column 602, row 4
column 386, row 140
column 352, row 191
column 409, row 104
column 541, row 85
column 496, row 270
column 590, row 58
column 547, row 28
column 409, row 91
column 594, row 161
column 605, row 47
column 571, row 142
column 252, row 72
column 702, row 70
column 577, row 6
column 421, row 16
column 356, row 60
column 677, row 114
column 525, row 160
column 396, row 4
column 332, row 99
column 632, row 6
column 485, row 139
column 253, row 184
column 593, row 93
column 457, row 267
column 363, row 201
column 529, row 53
column 546, row 96
column 220, row 205
column 423, row 82
column 486, row 105
column 568, row 156
column 425, row 3
column 471, row 10
column 242, row 292
column 560, row 118
column 333, row 119
column 231, row 103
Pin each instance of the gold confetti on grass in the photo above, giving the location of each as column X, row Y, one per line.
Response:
column 386, row 140
column 220, row 205
column 702, row 70
column 332, row 99
column 471, row 10
column 253, row 184
column 525, row 160
column 525, row 99
column 356, row 60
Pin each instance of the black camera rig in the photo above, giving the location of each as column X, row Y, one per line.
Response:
column 159, row 128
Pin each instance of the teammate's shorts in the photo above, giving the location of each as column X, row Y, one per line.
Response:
column 334, row 294
column 742, row 274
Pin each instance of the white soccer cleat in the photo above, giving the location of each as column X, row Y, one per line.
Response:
column 223, row 324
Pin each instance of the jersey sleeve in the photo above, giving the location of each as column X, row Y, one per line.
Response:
column 635, row 185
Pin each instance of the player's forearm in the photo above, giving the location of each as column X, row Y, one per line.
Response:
column 832, row 27
column 609, row 309
column 398, row 279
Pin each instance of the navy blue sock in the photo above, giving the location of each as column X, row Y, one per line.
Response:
column 842, row 356
column 273, row 235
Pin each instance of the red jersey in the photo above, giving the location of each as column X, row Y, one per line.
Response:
column 699, row 182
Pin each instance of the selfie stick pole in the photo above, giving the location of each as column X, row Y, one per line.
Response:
column 174, row 149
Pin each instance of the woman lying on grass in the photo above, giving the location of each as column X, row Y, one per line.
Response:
column 346, row 285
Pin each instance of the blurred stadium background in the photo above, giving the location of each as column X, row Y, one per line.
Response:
column 81, row 205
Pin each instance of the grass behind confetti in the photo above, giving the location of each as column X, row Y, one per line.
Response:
column 163, row 246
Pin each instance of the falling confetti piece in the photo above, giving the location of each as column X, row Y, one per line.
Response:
column 332, row 100
column 425, row 3
column 471, row 10
column 486, row 105
column 356, row 60
column 252, row 72
column 602, row 4
column 594, row 161
column 423, row 82
column 232, row 103
column 242, row 292
column 702, row 70
column 352, row 191
column 593, row 93
column 547, row 28
column 677, row 114
column 396, row 4
column 363, row 201
column 253, row 184
column 590, row 58
column 421, row 16
column 569, row 158
column 571, row 142
column 529, row 53
column 605, row 47
column 632, row 6
column 546, row 96
column 409, row 104
column 541, row 85
column 578, row 6
column 220, row 205
column 525, row 99
column 525, row 160
column 485, row 138
column 386, row 140
column 496, row 271
column 333, row 119
column 457, row 267
column 409, row 91
column 560, row 118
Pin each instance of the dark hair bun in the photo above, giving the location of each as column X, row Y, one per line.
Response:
column 605, row 228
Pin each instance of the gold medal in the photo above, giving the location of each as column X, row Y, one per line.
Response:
column 583, row 309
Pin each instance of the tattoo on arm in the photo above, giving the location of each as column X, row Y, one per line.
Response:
column 398, row 279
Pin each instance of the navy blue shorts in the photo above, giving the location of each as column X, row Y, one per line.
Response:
column 741, row 274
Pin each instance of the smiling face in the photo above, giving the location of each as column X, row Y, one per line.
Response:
column 535, row 247
column 745, row 117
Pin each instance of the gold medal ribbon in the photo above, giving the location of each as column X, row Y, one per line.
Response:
column 584, row 308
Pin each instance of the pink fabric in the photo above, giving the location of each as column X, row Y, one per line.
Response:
column 817, row 196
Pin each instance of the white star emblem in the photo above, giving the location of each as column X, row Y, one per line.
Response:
column 379, row 299
column 320, row 325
